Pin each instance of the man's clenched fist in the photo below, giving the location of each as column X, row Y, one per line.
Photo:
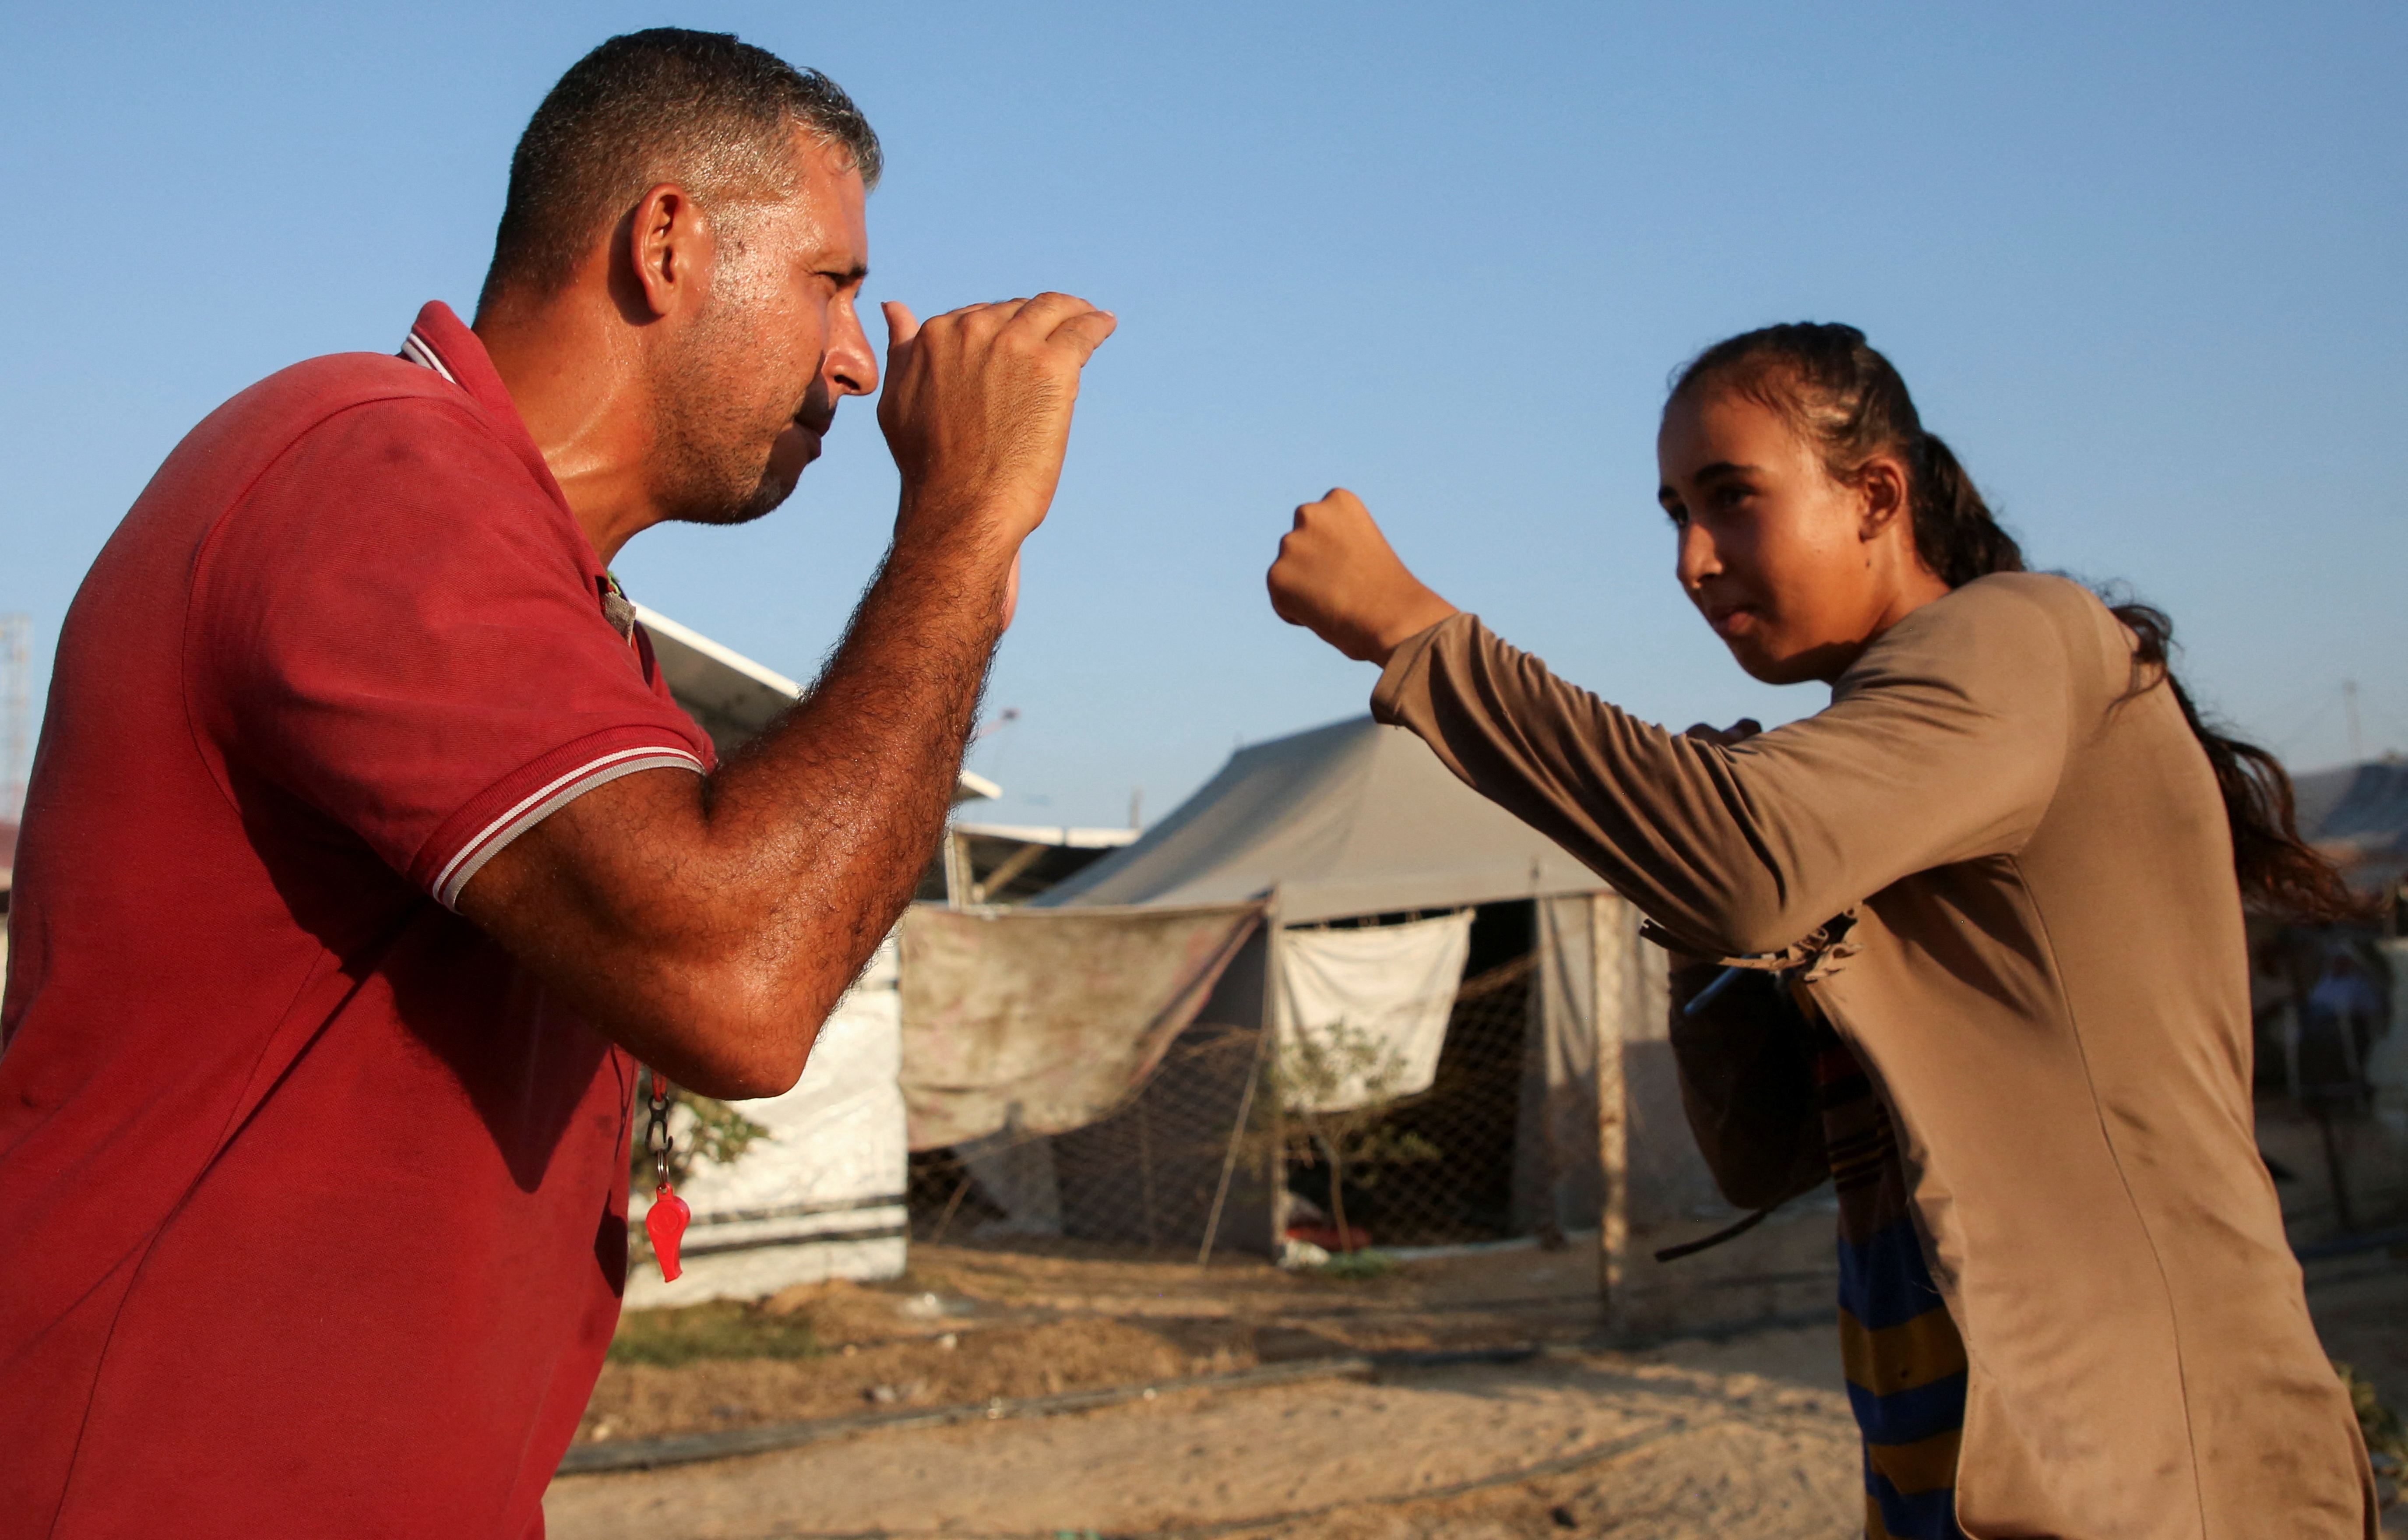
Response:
column 977, row 412
column 1338, row 577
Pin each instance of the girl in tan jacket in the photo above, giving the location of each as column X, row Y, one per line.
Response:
column 1998, row 884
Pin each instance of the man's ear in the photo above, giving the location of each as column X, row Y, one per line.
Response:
column 1883, row 484
column 668, row 247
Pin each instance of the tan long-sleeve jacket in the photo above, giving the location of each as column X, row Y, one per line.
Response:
column 2010, row 883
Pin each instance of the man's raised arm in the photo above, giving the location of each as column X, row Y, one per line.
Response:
column 708, row 925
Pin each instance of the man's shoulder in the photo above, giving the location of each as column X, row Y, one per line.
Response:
column 362, row 454
column 350, row 418
column 289, row 403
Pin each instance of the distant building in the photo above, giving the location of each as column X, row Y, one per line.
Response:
column 2358, row 816
column 1012, row 863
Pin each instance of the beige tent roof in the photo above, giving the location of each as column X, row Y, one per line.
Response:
column 1353, row 818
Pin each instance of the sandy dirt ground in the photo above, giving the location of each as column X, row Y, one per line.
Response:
column 1747, row 1437
column 969, row 1324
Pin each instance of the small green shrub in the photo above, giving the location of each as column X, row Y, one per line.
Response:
column 716, row 1133
column 1357, row 1266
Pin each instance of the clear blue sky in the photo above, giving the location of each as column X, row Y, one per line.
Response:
column 2142, row 265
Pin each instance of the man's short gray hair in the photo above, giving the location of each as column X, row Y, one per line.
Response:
column 699, row 109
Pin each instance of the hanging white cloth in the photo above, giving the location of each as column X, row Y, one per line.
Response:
column 1363, row 1011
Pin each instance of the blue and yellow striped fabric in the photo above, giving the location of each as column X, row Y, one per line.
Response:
column 1906, row 1362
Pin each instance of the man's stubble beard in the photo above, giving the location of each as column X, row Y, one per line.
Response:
column 711, row 455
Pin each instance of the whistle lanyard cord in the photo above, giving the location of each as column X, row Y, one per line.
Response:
column 656, row 1135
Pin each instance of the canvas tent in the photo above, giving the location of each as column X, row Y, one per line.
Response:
column 1339, row 827
column 1348, row 819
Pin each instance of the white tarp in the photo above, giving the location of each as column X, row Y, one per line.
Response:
column 822, row 1195
column 1363, row 1011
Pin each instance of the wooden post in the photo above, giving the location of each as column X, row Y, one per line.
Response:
column 958, row 871
column 1275, row 1159
column 1230, row 1161
column 1246, row 1102
column 1608, row 1003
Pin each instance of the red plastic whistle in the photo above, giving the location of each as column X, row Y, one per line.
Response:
column 665, row 1222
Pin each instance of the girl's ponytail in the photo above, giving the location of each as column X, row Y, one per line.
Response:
column 2280, row 871
column 1955, row 532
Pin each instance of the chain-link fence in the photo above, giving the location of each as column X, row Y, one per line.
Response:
column 1147, row 1175
column 1210, row 1146
column 1430, row 1169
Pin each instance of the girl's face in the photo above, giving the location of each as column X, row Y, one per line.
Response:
column 1796, row 572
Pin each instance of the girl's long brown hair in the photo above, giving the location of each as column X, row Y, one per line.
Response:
column 1848, row 401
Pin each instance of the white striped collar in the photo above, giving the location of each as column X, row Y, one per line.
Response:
column 418, row 349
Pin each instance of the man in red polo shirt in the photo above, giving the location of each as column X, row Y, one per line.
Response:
column 364, row 845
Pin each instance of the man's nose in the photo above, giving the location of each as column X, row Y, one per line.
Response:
column 851, row 364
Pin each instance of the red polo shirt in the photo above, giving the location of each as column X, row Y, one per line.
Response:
column 313, row 1200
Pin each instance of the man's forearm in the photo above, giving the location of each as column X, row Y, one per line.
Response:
column 711, row 924
column 826, row 821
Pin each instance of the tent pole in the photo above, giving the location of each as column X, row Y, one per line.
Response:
column 1275, row 1156
column 1612, row 1123
column 958, row 873
column 1245, row 1103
